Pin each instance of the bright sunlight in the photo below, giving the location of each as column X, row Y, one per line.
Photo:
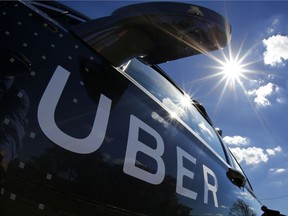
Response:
column 232, row 70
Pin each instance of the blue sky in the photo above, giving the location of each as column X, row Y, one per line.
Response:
column 252, row 108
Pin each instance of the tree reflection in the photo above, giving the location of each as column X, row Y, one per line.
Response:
column 240, row 208
column 93, row 178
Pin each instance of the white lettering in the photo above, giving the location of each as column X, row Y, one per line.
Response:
column 209, row 187
column 182, row 171
column 46, row 112
column 134, row 146
column 132, row 165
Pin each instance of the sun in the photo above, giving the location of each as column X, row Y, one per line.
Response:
column 232, row 70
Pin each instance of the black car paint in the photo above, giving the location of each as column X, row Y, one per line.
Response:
column 46, row 179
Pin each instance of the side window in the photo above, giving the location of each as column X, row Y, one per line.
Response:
column 179, row 105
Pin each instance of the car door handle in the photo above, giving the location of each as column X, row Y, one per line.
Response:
column 236, row 177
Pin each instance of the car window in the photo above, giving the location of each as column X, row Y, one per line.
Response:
column 179, row 105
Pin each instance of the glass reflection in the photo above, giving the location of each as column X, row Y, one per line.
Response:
column 240, row 208
column 14, row 106
column 178, row 104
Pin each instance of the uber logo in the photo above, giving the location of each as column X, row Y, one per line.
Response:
column 94, row 140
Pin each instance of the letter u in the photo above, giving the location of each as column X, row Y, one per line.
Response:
column 46, row 117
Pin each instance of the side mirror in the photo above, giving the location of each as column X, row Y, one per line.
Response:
column 155, row 32
column 236, row 177
column 219, row 131
column 202, row 111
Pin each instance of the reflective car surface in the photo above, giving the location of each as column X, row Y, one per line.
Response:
column 86, row 130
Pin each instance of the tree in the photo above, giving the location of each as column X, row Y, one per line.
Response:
column 240, row 208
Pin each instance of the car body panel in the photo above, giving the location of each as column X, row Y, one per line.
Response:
column 96, row 143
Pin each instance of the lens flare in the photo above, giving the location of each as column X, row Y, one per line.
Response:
column 232, row 70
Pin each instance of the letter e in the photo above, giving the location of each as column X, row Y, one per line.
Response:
column 182, row 171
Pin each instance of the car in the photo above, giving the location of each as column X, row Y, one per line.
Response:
column 91, row 125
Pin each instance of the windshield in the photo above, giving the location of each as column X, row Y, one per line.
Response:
column 179, row 105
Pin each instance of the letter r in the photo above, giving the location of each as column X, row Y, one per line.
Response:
column 209, row 187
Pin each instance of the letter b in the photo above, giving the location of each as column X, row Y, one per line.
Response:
column 134, row 145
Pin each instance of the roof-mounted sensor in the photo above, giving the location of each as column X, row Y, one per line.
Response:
column 155, row 32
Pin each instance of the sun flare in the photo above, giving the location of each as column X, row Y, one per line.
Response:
column 232, row 70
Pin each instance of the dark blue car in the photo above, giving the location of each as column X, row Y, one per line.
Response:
column 90, row 125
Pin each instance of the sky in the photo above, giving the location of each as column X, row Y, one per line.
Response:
column 251, row 104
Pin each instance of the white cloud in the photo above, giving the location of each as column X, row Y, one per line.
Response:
column 270, row 151
column 177, row 110
column 262, row 101
column 276, row 50
column 254, row 155
column 277, row 171
column 236, row 140
column 280, row 170
column 250, row 156
column 281, row 100
column 278, row 149
column 263, row 93
column 274, row 150
column 158, row 118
